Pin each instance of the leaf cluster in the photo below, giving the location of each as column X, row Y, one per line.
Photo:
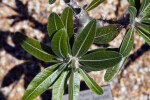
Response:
column 73, row 56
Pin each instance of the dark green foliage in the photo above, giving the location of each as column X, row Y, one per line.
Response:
column 74, row 56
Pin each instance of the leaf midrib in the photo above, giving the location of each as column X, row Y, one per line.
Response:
column 36, row 48
column 84, row 40
column 99, row 60
column 44, row 80
column 89, row 80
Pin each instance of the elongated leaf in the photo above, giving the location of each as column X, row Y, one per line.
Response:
column 144, row 35
column 36, row 48
column 67, row 18
column 107, row 33
column 113, row 71
column 54, row 24
column 59, row 86
column 132, row 2
column 145, row 8
column 135, row 3
column 145, row 29
column 74, row 85
column 91, row 83
column 132, row 10
column 85, row 39
column 52, row 1
column 100, row 60
column 43, row 81
column 59, row 43
column 127, row 43
column 94, row 4
column 146, row 19
column 103, row 49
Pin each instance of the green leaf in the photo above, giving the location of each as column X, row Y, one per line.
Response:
column 103, row 49
column 67, row 18
column 146, row 19
column 91, row 83
column 100, row 60
column 94, row 4
column 107, row 33
column 135, row 3
column 74, row 85
column 52, row 1
column 59, row 43
column 145, row 8
column 54, row 24
column 85, row 39
column 127, row 43
column 59, row 86
column 112, row 71
column 132, row 2
column 144, row 28
column 132, row 10
column 42, row 81
column 144, row 35
column 36, row 48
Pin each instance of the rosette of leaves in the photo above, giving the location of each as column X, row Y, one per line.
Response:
column 140, row 21
column 140, row 18
column 71, row 56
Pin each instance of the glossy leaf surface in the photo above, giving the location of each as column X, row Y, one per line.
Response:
column 100, row 60
column 112, row 71
column 144, row 35
column 59, row 86
column 107, row 33
column 146, row 19
column 132, row 10
column 59, row 43
column 145, row 29
column 85, row 39
column 67, row 18
column 74, row 85
column 127, row 43
column 36, row 48
column 145, row 8
column 54, row 24
column 91, row 83
column 43, row 81
column 94, row 4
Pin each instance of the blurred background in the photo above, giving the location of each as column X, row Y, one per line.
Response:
column 17, row 67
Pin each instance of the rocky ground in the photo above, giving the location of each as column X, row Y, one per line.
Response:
column 17, row 67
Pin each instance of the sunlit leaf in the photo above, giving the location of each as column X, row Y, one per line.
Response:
column 144, row 28
column 54, row 24
column 43, row 81
column 59, row 86
column 36, row 48
column 127, row 43
column 146, row 19
column 59, row 43
column 144, row 35
column 132, row 10
column 85, row 39
column 67, row 18
column 113, row 71
column 91, row 83
column 100, row 60
column 74, row 85
column 135, row 3
column 107, row 33
column 145, row 8
column 94, row 4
